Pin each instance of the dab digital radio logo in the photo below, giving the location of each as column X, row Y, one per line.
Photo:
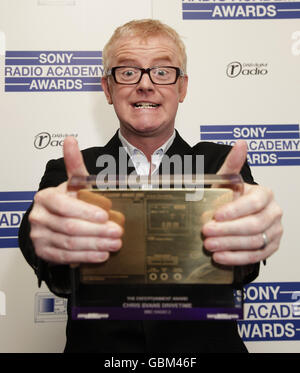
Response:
column 235, row 69
column 2, row 303
column 239, row 9
column 43, row 139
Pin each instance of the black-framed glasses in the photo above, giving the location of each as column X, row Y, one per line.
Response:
column 162, row 75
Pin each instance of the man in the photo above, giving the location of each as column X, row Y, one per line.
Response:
column 145, row 80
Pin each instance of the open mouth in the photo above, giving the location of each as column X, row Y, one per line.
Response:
column 145, row 105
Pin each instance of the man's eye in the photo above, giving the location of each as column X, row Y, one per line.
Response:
column 128, row 73
column 161, row 72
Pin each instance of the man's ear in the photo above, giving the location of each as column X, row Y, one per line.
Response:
column 105, row 86
column 183, row 84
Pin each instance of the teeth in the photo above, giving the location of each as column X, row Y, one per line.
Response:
column 145, row 105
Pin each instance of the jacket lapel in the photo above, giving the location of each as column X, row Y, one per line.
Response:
column 114, row 149
column 179, row 148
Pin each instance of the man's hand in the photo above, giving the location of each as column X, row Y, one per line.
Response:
column 248, row 229
column 65, row 230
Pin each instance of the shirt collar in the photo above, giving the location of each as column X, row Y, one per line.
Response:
column 132, row 150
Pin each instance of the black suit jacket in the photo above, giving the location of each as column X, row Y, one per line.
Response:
column 136, row 336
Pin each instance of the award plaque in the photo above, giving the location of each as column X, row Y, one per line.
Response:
column 162, row 270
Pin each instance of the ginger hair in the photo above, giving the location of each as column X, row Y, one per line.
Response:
column 144, row 29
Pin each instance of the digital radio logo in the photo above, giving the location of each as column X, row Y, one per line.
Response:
column 43, row 139
column 58, row 71
column 49, row 308
column 271, row 312
column 268, row 145
column 239, row 9
column 12, row 208
column 250, row 69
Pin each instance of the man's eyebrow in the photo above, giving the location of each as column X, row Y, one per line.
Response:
column 127, row 62
column 162, row 59
column 155, row 62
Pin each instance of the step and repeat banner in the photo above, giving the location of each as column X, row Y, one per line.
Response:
column 244, row 83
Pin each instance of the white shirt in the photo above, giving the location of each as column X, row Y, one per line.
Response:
column 140, row 161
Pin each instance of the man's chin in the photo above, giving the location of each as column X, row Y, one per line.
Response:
column 145, row 130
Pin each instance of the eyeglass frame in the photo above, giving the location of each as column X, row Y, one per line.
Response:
column 179, row 73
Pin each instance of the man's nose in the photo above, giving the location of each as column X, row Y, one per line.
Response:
column 145, row 83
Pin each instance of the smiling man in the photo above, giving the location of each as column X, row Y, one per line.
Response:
column 145, row 80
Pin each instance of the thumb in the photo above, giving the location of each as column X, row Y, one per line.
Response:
column 73, row 158
column 235, row 159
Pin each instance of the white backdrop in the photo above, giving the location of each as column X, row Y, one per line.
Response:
column 243, row 66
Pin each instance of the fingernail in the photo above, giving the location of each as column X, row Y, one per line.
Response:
column 114, row 232
column 101, row 216
column 212, row 244
column 115, row 245
column 113, row 229
column 219, row 257
column 220, row 216
column 209, row 228
column 102, row 256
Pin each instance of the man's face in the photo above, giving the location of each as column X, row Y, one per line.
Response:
column 134, row 119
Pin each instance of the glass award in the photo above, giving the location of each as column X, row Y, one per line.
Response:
column 162, row 271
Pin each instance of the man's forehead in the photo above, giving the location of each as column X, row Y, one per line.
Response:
column 157, row 47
